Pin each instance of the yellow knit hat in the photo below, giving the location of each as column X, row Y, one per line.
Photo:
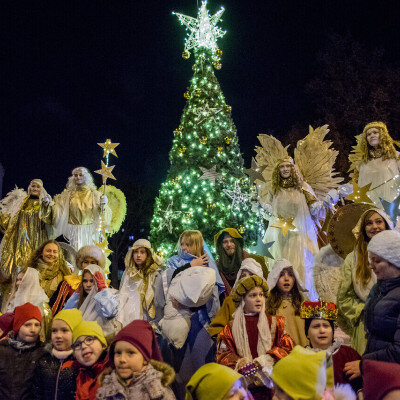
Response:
column 89, row 328
column 72, row 316
column 244, row 285
column 302, row 374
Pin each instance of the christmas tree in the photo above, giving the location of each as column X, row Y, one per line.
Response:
column 206, row 188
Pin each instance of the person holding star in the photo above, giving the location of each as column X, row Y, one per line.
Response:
column 75, row 212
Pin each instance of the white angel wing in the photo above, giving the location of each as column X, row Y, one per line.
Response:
column 315, row 159
column 10, row 204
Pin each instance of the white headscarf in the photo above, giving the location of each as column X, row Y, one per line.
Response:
column 251, row 265
column 275, row 273
column 29, row 291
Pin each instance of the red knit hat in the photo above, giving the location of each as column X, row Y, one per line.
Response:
column 24, row 313
column 140, row 334
column 379, row 378
column 6, row 322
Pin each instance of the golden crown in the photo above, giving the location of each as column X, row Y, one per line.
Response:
column 318, row 309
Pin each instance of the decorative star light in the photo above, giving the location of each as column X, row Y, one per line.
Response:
column 109, row 148
column 169, row 215
column 285, row 225
column 105, row 172
column 254, row 172
column 103, row 245
column 392, row 209
column 203, row 29
column 211, row 174
column 237, row 196
column 359, row 194
column 206, row 112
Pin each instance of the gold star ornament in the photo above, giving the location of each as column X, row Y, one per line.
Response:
column 109, row 148
column 103, row 245
column 359, row 194
column 106, row 172
column 285, row 225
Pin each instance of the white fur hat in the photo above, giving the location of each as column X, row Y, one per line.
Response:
column 275, row 273
column 251, row 265
column 386, row 244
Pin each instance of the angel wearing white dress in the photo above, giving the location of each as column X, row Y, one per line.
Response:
column 375, row 160
column 296, row 196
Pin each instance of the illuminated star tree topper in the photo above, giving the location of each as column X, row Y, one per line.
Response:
column 203, row 30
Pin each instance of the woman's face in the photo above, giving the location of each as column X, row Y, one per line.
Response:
column 79, row 176
column 373, row 137
column 87, row 282
column 374, row 224
column 320, row 334
column 61, row 335
column 50, row 253
column 87, row 261
column 139, row 256
column 285, row 169
column 286, row 280
column 18, row 281
column 382, row 268
column 254, row 300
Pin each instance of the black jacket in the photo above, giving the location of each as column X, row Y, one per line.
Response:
column 382, row 321
column 54, row 379
column 16, row 369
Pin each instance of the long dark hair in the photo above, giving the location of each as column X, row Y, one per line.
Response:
column 229, row 264
column 274, row 300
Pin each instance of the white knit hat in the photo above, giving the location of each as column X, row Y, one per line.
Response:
column 386, row 244
column 275, row 273
column 251, row 265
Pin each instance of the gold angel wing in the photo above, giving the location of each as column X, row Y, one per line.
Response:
column 117, row 203
column 315, row 159
column 268, row 154
column 356, row 158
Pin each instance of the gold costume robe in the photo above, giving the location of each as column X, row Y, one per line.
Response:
column 23, row 233
column 51, row 275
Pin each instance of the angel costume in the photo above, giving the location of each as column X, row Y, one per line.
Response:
column 76, row 211
column 23, row 230
column 377, row 165
column 296, row 202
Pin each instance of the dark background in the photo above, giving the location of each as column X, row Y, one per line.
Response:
column 74, row 73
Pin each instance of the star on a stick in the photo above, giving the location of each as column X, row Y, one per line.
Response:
column 203, row 31
column 285, row 225
column 105, row 172
column 210, row 174
column 359, row 194
column 254, row 172
column 109, row 148
column 103, row 245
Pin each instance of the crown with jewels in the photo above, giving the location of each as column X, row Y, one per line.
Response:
column 318, row 309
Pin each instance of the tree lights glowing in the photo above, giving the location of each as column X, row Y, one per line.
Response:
column 205, row 155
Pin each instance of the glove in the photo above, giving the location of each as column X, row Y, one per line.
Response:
column 315, row 208
column 46, row 200
column 332, row 197
column 345, row 190
column 99, row 281
column 103, row 200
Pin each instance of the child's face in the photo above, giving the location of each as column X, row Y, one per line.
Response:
column 286, row 280
column 87, row 350
column 237, row 392
column 254, row 300
column 87, row 261
column 320, row 334
column 87, row 282
column 128, row 360
column 139, row 256
column 29, row 331
column 186, row 246
column 19, row 279
column 61, row 335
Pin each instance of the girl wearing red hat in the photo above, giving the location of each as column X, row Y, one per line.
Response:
column 19, row 353
column 137, row 370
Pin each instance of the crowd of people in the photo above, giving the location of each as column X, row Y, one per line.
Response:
column 195, row 327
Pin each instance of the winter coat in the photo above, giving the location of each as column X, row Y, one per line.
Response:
column 54, row 379
column 152, row 384
column 382, row 321
column 17, row 363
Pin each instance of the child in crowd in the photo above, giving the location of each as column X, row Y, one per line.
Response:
column 136, row 290
column 137, row 371
column 53, row 379
column 285, row 297
column 85, row 256
column 26, row 289
column 248, row 267
column 302, row 375
column 217, row 382
column 19, row 353
column 89, row 345
column 254, row 336
column 96, row 301
column 319, row 319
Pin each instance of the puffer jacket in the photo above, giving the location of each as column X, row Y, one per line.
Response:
column 152, row 384
column 17, row 363
column 54, row 379
column 382, row 321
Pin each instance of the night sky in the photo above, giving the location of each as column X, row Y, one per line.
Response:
column 74, row 73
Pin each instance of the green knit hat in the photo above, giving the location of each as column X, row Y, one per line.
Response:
column 88, row 328
column 72, row 316
column 211, row 381
column 244, row 285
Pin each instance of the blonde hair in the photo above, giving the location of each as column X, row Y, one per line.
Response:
column 195, row 240
column 385, row 142
column 294, row 176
